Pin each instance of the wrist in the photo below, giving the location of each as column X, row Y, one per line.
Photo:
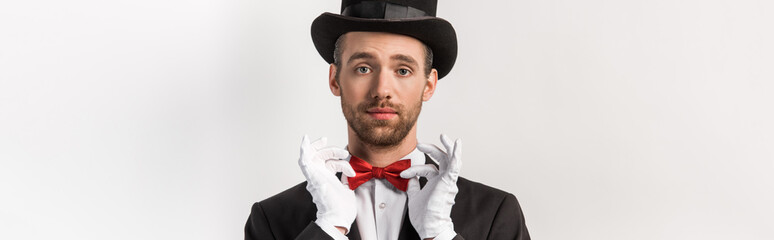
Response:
column 438, row 231
column 336, row 232
column 447, row 234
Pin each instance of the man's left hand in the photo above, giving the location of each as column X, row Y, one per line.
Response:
column 430, row 207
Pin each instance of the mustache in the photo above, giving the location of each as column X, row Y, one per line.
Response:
column 379, row 103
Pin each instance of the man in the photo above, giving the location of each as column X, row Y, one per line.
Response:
column 386, row 58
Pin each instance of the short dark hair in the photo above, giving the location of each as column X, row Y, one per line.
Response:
column 340, row 43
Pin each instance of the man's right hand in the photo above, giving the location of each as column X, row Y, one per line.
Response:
column 335, row 201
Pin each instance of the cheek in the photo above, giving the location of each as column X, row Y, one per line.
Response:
column 411, row 90
column 353, row 93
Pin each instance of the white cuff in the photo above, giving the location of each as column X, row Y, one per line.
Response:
column 332, row 230
column 447, row 234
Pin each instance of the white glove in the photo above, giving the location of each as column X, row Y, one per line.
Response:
column 430, row 207
column 335, row 201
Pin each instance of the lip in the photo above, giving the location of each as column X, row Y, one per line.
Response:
column 381, row 110
column 382, row 113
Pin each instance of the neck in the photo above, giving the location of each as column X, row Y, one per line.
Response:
column 381, row 156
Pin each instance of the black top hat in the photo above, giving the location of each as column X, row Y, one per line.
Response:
column 414, row 18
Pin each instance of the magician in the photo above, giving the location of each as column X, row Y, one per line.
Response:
column 386, row 58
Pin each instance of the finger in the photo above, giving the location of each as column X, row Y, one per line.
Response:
column 332, row 153
column 320, row 143
column 427, row 170
column 456, row 160
column 340, row 166
column 344, row 181
column 304, row 141
column 305, row 150
column 434, row 151
column 413, row 187
column 447, row 143
column 322, row 172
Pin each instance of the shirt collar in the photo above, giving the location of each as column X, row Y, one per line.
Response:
column 417, row 157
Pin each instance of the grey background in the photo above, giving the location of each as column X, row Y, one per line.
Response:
column 168, row 119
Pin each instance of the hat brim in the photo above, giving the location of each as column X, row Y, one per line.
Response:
column 436, row 33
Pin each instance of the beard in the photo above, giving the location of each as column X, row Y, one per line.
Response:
column 381, row 133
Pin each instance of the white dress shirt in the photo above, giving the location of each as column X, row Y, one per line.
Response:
column 380, row 206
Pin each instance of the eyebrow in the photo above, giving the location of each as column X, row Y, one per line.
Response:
column 405, row 58
column 360, row 55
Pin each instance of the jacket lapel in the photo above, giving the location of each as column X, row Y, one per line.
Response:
column 407, row 232
column 354, row 233
column 423, row 180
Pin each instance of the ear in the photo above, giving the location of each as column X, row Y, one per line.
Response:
column 432, row 80
column 332, row 83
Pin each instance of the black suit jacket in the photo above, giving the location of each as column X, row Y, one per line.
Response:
column 479, row 212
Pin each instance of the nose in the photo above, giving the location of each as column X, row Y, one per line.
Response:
column 382, row 86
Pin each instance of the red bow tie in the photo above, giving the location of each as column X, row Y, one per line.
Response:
column 365, row 172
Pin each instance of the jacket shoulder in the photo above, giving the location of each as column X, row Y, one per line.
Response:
column 295, row 197
column 484, row 212
column 285, row 214
column 478, row 190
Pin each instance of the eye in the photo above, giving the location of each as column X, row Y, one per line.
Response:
column 363, row 70
column 404, row 72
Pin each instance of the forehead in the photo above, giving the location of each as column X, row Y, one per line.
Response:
column 382, row 44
